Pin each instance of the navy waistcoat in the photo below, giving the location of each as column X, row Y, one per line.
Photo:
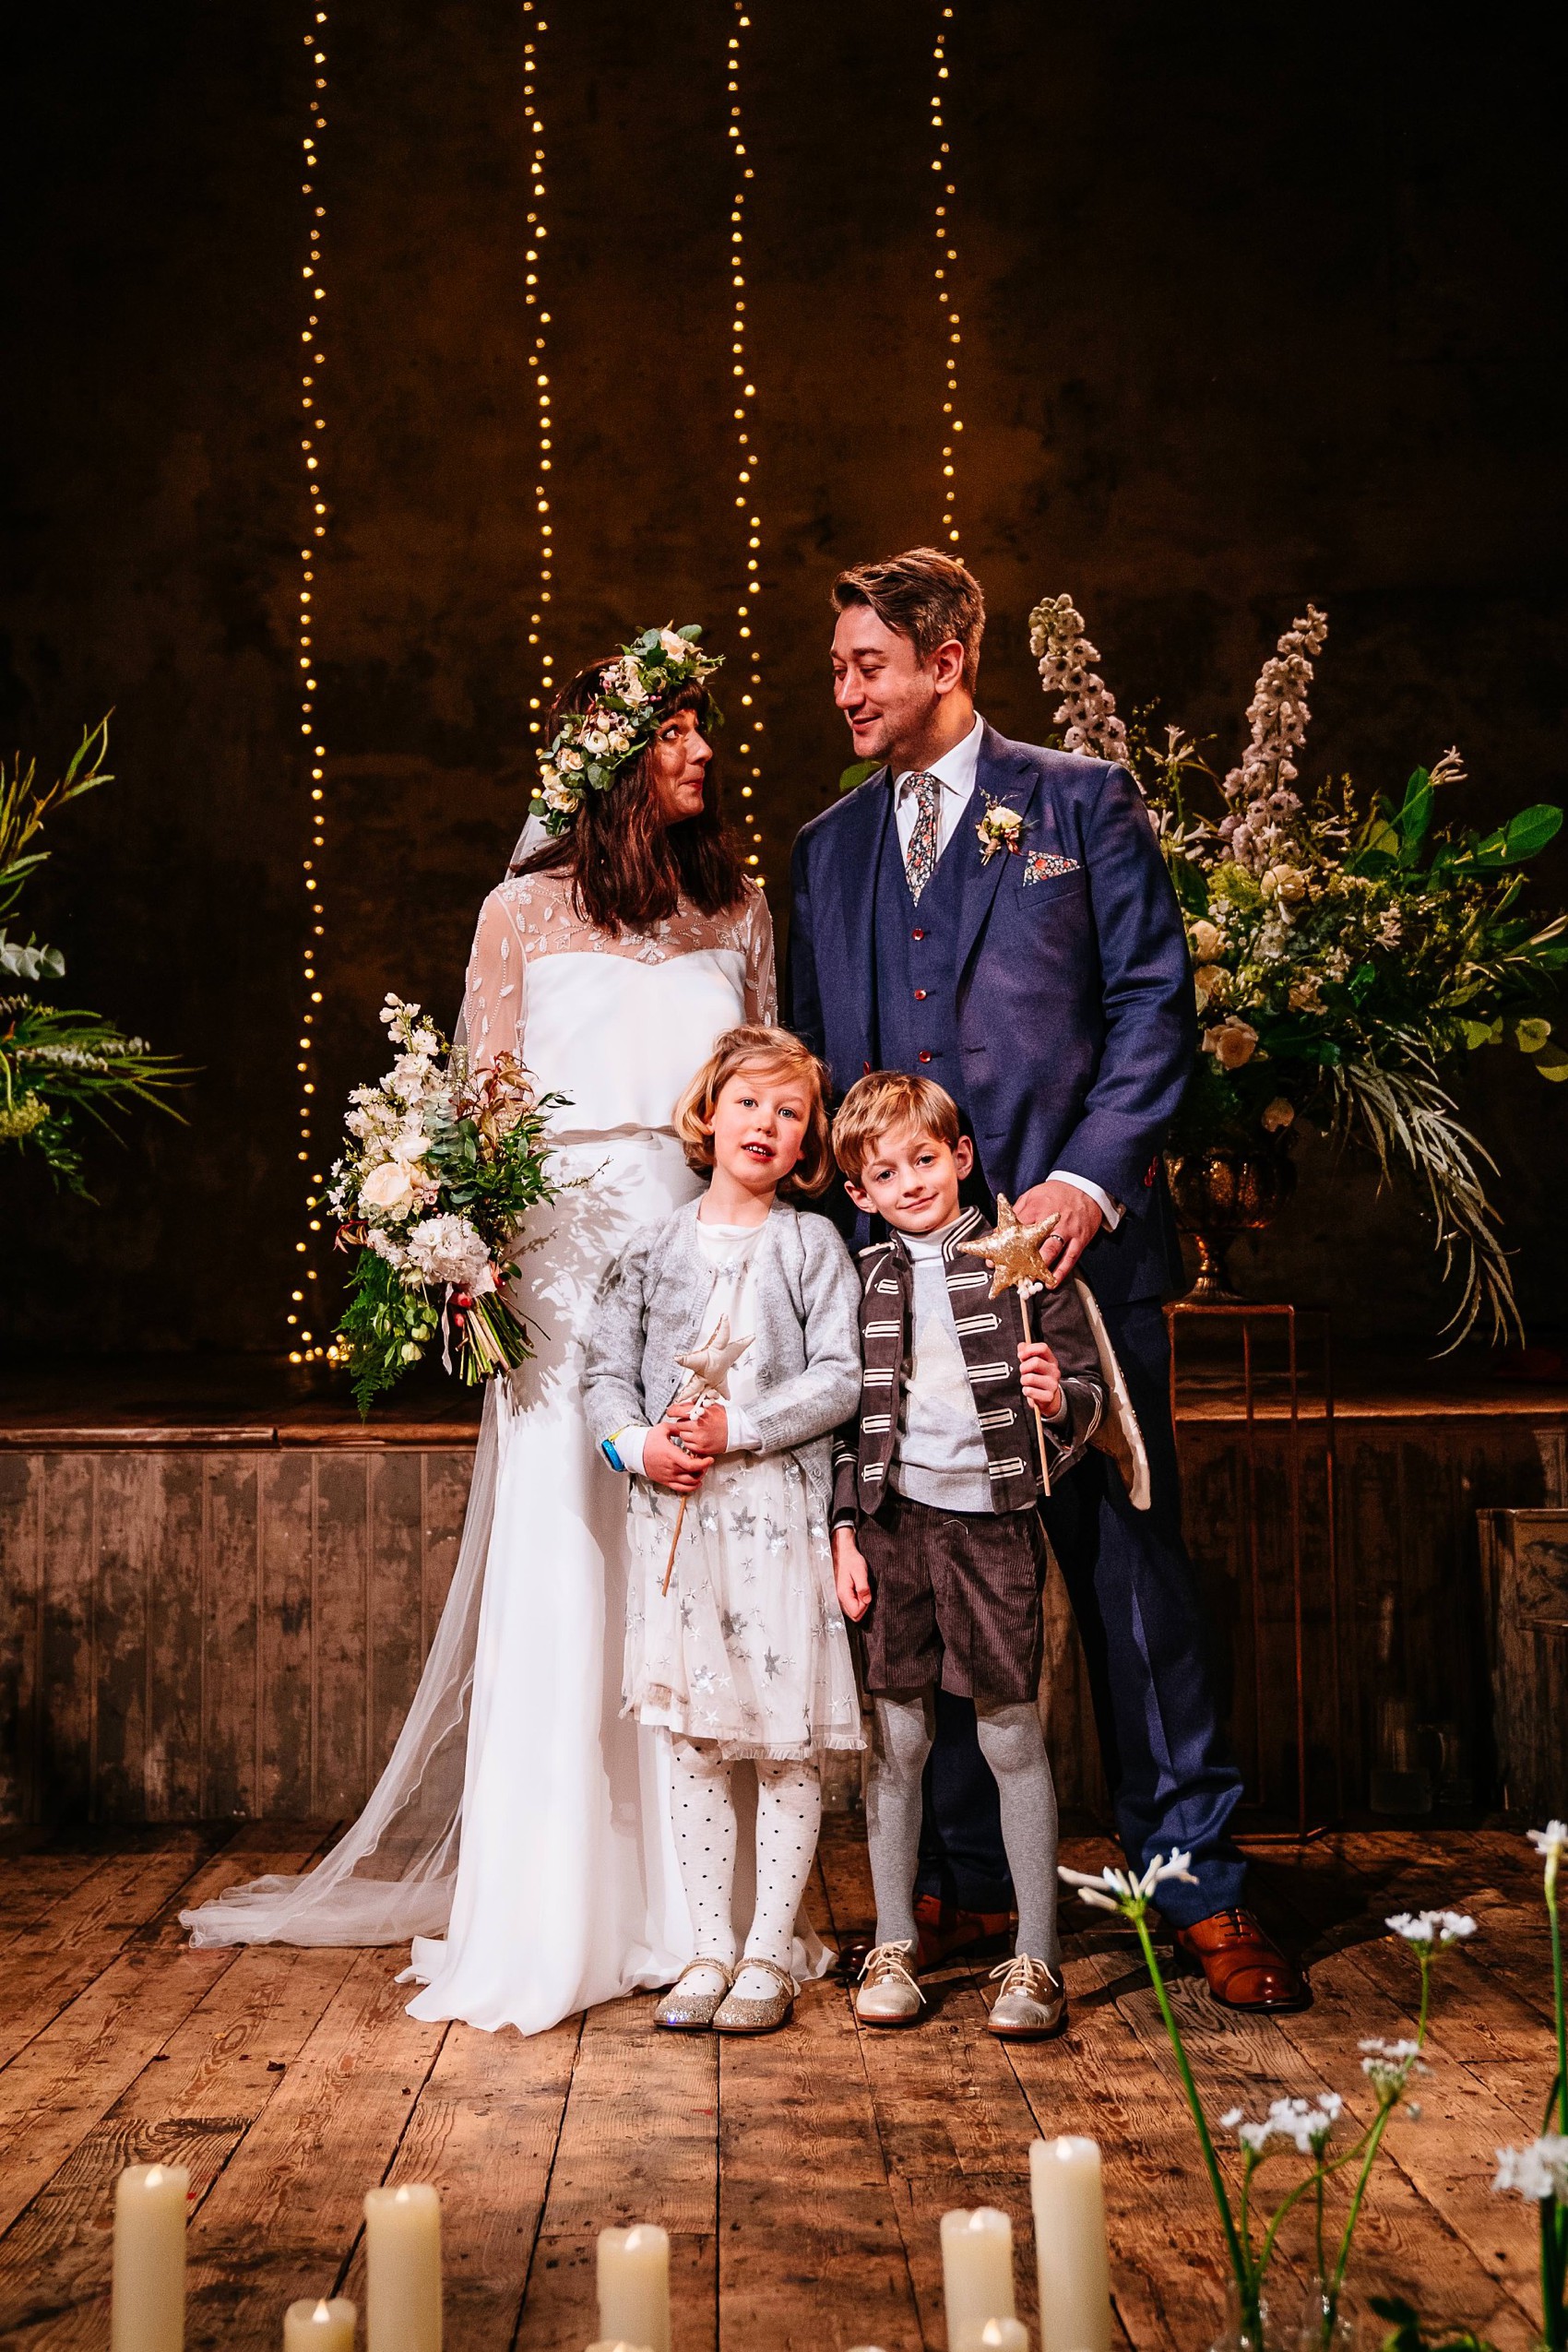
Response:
column 916, row 965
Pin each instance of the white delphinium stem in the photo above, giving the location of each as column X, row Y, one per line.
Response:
column 1087, row 709
column 1263, row 808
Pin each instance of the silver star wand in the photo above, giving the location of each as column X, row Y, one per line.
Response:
column 709, row 1366
column 1012, row 1255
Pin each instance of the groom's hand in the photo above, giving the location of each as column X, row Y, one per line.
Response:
column 1078, row 1221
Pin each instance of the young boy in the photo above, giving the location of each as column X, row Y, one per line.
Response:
column 938, row 1550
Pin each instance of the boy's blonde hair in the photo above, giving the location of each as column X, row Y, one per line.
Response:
column 756, row 1045
column 889, row 1102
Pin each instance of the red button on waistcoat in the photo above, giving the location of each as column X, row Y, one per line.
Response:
column 925, row 1057
column 920, row 996
column 917, row 934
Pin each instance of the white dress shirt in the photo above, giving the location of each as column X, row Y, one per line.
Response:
column 954, row 771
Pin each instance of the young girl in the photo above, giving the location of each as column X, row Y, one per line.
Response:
column 725, row 1351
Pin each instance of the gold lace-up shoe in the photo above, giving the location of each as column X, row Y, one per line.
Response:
column 747, row 2016
column 888, row 1994
column 688, row 2011
column 1031, row 2004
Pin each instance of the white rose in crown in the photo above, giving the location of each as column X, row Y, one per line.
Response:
column 387, row 1188
column 676, row 648
column 632, row 689
column 571, row 759
column 999, row 829
column 596, row 741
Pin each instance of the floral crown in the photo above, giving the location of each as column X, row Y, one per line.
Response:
column 629, row 707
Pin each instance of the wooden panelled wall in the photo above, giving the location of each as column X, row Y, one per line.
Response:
column 206, row 1632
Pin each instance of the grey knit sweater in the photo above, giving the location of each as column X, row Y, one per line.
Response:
column 807, row 1348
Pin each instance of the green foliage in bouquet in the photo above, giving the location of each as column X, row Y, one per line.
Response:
column 58, row 1064
column 1346, row 958
column 441, row 1169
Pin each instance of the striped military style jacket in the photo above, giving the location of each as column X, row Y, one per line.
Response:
column 988, row 1333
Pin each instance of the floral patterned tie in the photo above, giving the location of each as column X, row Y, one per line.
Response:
column 920, row 858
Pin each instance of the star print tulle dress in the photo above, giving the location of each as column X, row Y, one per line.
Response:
column 747, row 1648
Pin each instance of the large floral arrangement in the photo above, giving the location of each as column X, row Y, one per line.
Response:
column 1346, row 955
column 591, row 747
column 441, row 1168
column 59, row 1066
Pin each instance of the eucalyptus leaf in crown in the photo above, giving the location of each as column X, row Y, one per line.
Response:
column 1346, row 955
column 633, row 701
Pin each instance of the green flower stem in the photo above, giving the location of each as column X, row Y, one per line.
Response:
column 1557, row 1991
column 1374, row 2138
column 1240, row 2264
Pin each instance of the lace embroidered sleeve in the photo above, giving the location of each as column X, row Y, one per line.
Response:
column 496, row 987
column 756, row 938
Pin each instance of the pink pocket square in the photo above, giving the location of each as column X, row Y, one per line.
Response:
column 1044, row 865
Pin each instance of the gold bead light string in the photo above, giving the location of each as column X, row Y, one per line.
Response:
column 748, row 498
column 306, row 1309
column 946, row 297
column 533, row 26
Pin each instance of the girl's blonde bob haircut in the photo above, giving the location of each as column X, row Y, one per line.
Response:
column 758, row 1047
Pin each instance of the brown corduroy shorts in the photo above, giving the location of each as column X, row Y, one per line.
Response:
column 955, row 1600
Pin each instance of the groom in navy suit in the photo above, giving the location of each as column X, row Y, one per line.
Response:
column 1048, row 988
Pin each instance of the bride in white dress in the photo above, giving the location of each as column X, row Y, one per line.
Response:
column 518, row 1813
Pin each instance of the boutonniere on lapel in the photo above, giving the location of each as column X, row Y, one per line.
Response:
column 1000, row 828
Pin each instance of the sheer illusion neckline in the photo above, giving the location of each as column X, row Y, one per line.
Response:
column 547, row 923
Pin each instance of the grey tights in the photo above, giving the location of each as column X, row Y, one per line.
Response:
column 1014, row 1747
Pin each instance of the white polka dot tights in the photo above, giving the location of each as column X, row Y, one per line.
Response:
column 789, row 1816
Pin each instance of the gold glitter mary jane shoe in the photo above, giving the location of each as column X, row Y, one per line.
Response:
column 689, row 2011
column 747, row 2016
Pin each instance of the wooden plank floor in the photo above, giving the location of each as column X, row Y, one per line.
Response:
column 802, row 2177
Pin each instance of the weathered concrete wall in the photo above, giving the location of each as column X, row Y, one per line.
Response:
column 1254, row 311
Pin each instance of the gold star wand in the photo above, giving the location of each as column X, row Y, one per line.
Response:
column 710, row 1366
column 1012, row 1255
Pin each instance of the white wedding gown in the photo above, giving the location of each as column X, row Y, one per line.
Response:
column 518, row 1813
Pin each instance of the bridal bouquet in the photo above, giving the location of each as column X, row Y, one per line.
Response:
column 1347, row 955
column 441, row 1169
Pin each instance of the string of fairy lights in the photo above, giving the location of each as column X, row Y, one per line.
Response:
column 308, row 1341
column 946, row 298
column 748, row 497
column 534, row 25
column 305, row 1305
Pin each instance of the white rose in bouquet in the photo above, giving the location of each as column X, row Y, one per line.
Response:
column 388, row 1188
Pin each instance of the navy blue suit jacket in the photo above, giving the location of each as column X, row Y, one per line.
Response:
column 1075, row 1007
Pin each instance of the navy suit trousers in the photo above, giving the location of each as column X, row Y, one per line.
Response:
column 1136, row 1598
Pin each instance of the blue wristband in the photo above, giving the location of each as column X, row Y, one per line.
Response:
column 607, row 1447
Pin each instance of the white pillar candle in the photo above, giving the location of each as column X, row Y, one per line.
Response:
column 148, row 2304
column 1075, row 2272
column 633, row 2286
column 991, row 2335
column 976, row 2268
column 618, row 2347
column 319, row 2326
column 403, row 2268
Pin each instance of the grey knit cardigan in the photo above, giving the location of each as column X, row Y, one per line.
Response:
column 806, row 1346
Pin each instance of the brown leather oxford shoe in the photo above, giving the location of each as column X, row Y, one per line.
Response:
column 946, row 1931
column 1243, row 1967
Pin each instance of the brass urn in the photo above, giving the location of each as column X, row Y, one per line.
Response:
column 1219, row 1191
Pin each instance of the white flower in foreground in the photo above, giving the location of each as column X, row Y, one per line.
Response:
column 1431, row 1927
column 1307, row 2124
column 1551, row 1842
column 1114, row 1889
column 1388, row 2066
column 1536, row 2171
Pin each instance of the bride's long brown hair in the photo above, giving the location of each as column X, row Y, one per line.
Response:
column 628, row 868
